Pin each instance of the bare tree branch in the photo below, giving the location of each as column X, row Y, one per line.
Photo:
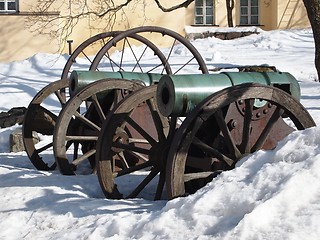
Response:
column 61, row 25
column 184, row 4
column 114, row 8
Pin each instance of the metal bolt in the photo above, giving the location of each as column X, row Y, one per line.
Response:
column 234, row 124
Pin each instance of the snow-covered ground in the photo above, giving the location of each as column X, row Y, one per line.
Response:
column 269, row 195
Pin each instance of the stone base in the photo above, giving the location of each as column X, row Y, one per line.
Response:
column 220, row 35
column 16, row 140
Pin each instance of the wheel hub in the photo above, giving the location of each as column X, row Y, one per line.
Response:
column 121, row 137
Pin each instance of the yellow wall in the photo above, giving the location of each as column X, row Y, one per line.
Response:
column 18, row 42
column 135, row 15
column 291, row 14
column 274, row 14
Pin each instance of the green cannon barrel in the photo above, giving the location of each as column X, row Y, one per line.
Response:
column 80, row 79
column 177, row 95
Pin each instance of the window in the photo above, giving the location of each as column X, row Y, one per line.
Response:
column 203, row 12
column 249, row 12
column 8, row 5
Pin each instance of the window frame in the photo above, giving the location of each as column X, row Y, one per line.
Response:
column 6, row 6
column 204, row 14
column 249, row 15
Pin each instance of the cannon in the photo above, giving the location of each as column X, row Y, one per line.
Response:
column 41, row 118
column 99, row 96
column 225, row 117
column 168, row 131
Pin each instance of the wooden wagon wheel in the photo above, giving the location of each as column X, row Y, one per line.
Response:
column 82, row 58
column 125, row 133
column 78, row 126
column 40, row 120
column 61, row 144
column 141, row 54
column 54, row 94
column 227, row 126
column 107, row 62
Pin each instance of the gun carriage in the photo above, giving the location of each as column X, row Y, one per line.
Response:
column 126, row 119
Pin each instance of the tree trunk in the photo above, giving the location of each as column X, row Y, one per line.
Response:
column 313, row 10
column 230, row 6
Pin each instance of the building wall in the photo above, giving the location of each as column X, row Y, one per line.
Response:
column 19, row 42
column 274, row 14
column 291, row 14
column 283, row 14
column 147, row 14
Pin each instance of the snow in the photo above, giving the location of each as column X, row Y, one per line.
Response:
column 198, row 29
column 269, row 195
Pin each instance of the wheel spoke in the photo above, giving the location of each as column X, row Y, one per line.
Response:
column 133, row 169
column 86, row 56
column 138, row 155
column 138, row 140
column 153, row 173
column 122, row 160
column 135, row 57
column 156, row 119
column 50, row 117
column 87, row 121
column 85, row 156
column 112, row 62
column 160, row 186
column 140, row 130
column 81, row 138
column 69, row 143
column 244, row 146
column 182, row 66
column 213, row 152
column 234, row 151
column 61, row 98
column 130, row 147
column 45, row 147
column 122, row 54
column 172, row 127
column 264, row 134
column 98, row 107
column 75, row 150
column 170, row 52
column 198, row 175
column 53, row 166
column 157, row 66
